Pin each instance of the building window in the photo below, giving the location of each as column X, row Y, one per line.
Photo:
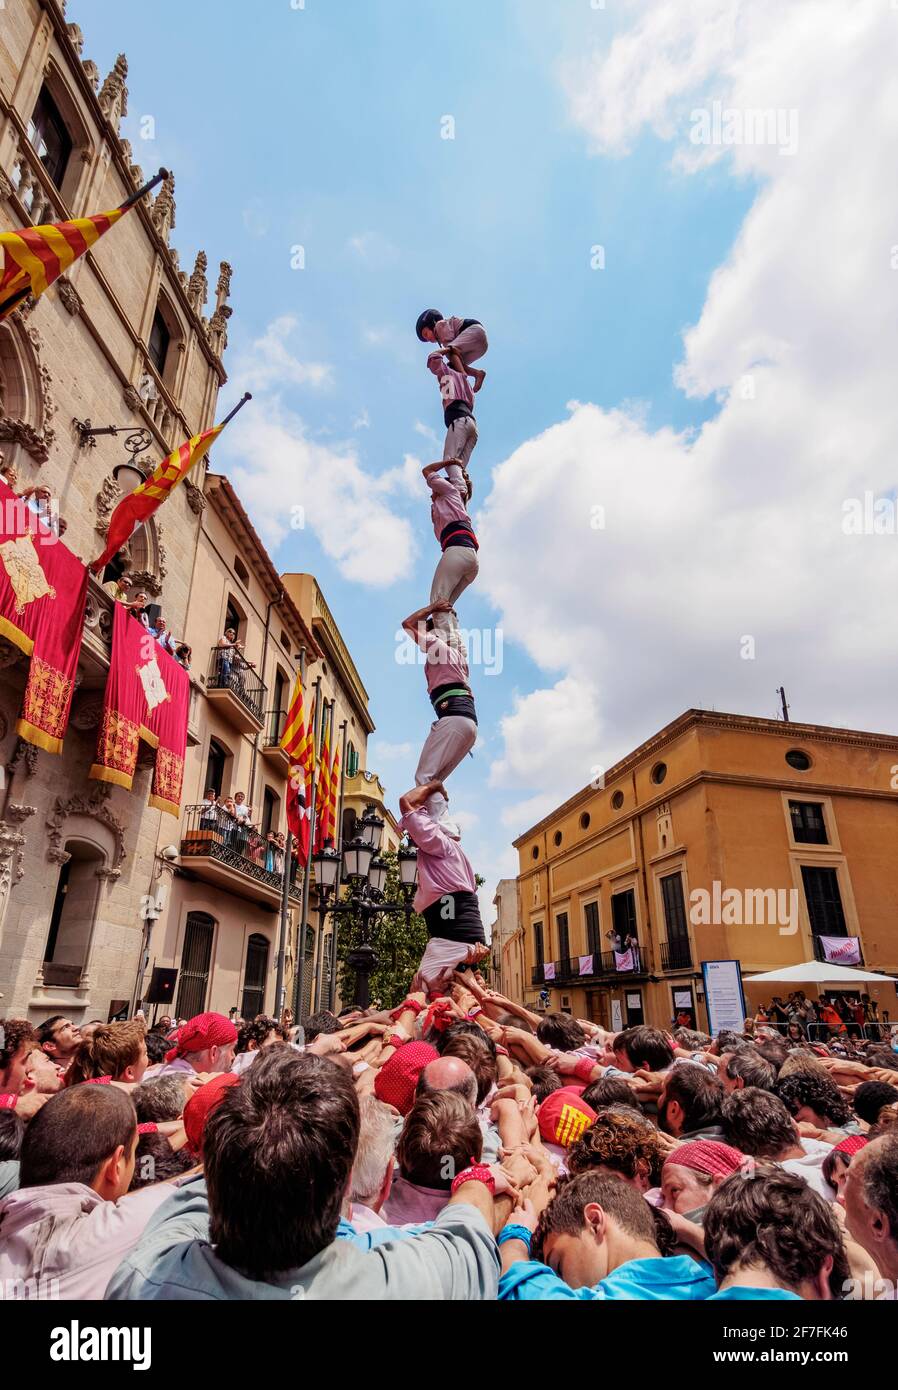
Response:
column 808, row 825
column 674, row 907
column 240, row 570
column 539, row 949
column 591, row 918
column 534, row 853
column 160, row 340
column 270, row 804
column 557, row 838
column 659, row 772
column 821, row 891
column 617, row 801
column 193, row 976
column 352, row 760
column 215, row 767
column 564, row 944
column 50, row 138
column 584, row 821
column 623, row 918
column 72, row 918
column 254, row 976
column 800, row 761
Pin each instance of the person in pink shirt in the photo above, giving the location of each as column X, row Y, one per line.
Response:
column 454, row 731
column 463, row 341
column 447, row 891
column 461, row 427
column 458, row 564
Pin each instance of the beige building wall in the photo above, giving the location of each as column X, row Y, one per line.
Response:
column 707, row 801
column 82, row 353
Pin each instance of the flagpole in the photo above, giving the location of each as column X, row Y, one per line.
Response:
column 247, row 396
column 339, row 828
column 319, row 980
column 300, row 972
column 142, row 192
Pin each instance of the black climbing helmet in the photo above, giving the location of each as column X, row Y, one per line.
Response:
column 429, row 319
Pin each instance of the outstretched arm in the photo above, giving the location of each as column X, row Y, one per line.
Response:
column 414, row 623
column 418, row 795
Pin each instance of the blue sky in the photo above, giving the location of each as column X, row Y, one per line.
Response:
column 320, row 127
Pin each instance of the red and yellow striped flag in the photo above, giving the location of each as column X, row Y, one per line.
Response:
column 296, row 740
column 36, row 256
column 333, row 796
column 322, row 791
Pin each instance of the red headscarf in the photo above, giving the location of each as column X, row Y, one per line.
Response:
column 206, row 1030
column 200, row 1107
column 396, row 1081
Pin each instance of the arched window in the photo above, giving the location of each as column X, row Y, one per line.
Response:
column 74, row 911
column 50, row 138
column 255, row 976
column 216, row 766
column 271, row 811
column 163, row 341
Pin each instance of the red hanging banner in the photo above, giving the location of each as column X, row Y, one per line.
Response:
column 43, row 590
column 147, row 695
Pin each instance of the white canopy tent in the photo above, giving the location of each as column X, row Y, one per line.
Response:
column 818, row 972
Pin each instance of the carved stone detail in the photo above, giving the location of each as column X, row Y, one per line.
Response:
column 195, row 499
column 132, row 398
column 87, row 714
column 163, row 213
column 198, row 285
column 76, row 37
column 5, row 186
column 91, row 72
column 144, row 579
column 106, row 501
column 26, row 753
column 94, row 805
column 113, row 96
column 12, row 850
column 69, row 296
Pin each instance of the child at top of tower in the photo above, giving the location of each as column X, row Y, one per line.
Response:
column 460, row 341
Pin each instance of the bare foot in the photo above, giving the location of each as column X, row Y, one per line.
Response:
column 479, row 378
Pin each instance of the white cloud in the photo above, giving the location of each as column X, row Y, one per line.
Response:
column 269, row 364
column 373, row 249
column 362, row 421
column 382, row 751
column 426, row 432
column 735, row 530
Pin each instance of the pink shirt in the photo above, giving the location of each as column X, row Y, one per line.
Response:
column 443, row 867
column 444, row 663
column 445, row 504
column 410, row 1204
column 454, row 386
column 447, row 330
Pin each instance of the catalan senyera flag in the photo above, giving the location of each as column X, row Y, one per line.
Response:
column 322, row 791
column 36, row 256
column 296, row 742
column 334, row 795
column 146, row 499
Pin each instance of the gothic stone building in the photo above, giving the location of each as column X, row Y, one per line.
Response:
column 122, row 340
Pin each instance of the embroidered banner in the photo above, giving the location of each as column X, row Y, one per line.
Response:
column 549, row 970
column 625, row 960
column 585, row 965
column 43, row 590
column 842, row 950
column 147, row 695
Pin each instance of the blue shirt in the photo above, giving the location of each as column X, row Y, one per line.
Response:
column 381, row 1235
column 679, row 1277
column 739, row 1294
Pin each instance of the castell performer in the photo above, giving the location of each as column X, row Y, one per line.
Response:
column 458, row 564
column 447, row 890
column 461, row 427
column 463, row 341
column 454, row 731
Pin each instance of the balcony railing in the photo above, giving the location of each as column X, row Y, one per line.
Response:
column 210, row 832
column 600, row 964
column 676, row 955
column 275, row 719
column 228, row 670
column 854, row 951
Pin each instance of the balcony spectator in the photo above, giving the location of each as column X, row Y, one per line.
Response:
column 209, row 815
column 183, row 655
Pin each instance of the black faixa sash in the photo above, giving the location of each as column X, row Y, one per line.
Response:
column 454, row 698
column 455, row 917
column 458, row 533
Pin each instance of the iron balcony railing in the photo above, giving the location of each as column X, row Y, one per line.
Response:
column 211, row 832
column 599, row 964
column 275, row 720
column 676, row 955
column 228, row 670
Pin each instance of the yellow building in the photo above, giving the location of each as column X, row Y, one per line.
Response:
column 723, row 837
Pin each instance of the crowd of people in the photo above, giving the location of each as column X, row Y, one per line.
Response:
column 137, row 602
column 458, row 1146
column 832, row 1017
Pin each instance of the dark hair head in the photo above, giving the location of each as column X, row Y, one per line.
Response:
column 12, row 1130
column 429, row 319
column 73, row 1134
column 774, row 1051
column 698, row 1093
column 773, row 1219
column 545, row 1081
column 870, row 1097
column 753, row 1069
column 624, row 1143
column 322, row 1022
column 757, row 1123
column 13, row 1033
column 260, row 1030
column 441, row 1137
column 110, row 1048
column 729, row 1041
column 621, row 1202
column 156, row 1160
column 44, row 1032
column 471, row 1044
column 819, row 1093
column 561, row 1032
column 691, row 1038
column 645, row 1047
column 882, row 1057
column 157, row 1047
column 278, row 1151
column 610, row 1090
column 160, row 1100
